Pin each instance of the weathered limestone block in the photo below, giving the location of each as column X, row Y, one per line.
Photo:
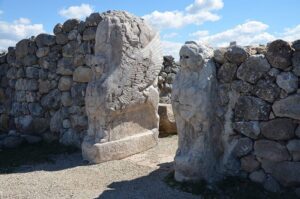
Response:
column 122, row 98
column 194, row 101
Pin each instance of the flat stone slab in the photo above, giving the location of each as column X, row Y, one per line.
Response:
column 119, row 149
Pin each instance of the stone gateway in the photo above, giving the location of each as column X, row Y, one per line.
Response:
column 122, row 98
column 194, row 103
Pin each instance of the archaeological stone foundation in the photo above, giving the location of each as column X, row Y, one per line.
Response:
column 97, row 84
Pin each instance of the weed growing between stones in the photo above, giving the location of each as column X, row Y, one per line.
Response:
column 229, row 188
column 11, row 159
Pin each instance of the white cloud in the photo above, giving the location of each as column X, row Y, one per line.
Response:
column 11, row 33
column 196, row 13
column 171, row 48
column 200, row 33
column 204, row 5
column 78, row 12
column 250, row 32
column 170, row 35
column 291, row 34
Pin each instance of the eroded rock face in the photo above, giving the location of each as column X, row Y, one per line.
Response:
column 194, row 102
column 122, row 98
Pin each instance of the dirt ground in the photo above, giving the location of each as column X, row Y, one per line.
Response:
column 136, row 177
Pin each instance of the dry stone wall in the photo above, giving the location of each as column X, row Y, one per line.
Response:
column 258, row 105
column 43, row 84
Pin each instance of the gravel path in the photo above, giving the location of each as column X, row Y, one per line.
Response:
column 139, row 176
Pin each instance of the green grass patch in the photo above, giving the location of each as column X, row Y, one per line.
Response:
column 10, row 159
column 229, row 188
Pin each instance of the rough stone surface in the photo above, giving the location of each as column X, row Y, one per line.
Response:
column 270, row 150
column 279, row 54
column 227, row 72
column 253, row 68
column 258, row 176
column 251, row 108
column 278, row 129
column 193, row 94
column 43, row 40
column 12, row 142
column 287, row 81
column 167, row 124
column 288, row 107
column 266, row 90
column 296, row 63
column 297, row 132
column 82, row 74
column 65, row 83
column 236, row 54
column 287, row 173
column 243, row 147
column 294, row 148
column 250, row 129
column 122, row 104
column 271, row 184
column 249, row 163
column 219, row 55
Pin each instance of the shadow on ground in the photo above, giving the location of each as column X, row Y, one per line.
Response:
column 150, row 186
column 35, row 157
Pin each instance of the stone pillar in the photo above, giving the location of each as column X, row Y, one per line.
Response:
column 122, row 99
column 194, row 102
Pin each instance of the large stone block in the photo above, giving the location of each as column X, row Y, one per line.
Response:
column 253, row 68
column 194, row 102
column 271, row 150
column 288, row 107
column 278, row 129
column 279, row 54
column 122, row 98
column 251, row 108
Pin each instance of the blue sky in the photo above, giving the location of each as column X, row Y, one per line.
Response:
column 216, row 22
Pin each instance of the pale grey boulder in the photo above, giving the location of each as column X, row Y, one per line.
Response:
column 194, row 104
column 122, row 98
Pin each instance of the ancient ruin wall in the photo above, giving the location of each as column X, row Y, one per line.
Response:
column 43, row 84
column 259, row 97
